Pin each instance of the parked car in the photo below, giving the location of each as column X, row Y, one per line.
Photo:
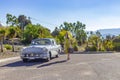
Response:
column 44, row 48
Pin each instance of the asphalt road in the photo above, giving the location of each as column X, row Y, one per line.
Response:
column 79, row 67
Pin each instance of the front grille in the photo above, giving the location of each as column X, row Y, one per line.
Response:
column 31, row 55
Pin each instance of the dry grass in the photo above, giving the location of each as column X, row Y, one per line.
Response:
column 8, row 54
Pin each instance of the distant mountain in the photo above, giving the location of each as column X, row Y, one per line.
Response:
column 0, row 24
column 114, row 31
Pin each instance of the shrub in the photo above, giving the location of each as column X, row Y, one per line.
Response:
column 75, row 48
column 8, row 47
column 91, row 48
column 102, row 49
column 116, row 46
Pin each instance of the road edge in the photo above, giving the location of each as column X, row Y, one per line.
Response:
column 8, row 59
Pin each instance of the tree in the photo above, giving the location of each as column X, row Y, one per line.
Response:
column 2, row 35
column 108, row 43
column 66, row 38
column 98, row 34
column 77, row 29
column 12, row 33
column 11, row 20
column 31, row 32
column 35, row 31
column 96, row 40
column 55, row 32
column 23, row 21
column 44, row 32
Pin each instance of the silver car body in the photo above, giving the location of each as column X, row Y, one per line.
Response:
column 44, row 48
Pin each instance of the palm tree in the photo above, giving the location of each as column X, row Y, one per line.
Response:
column 12, row 33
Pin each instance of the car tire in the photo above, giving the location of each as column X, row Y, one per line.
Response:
column 49, row 58
column 57, row 55
column 25, row 60
column 59, row 51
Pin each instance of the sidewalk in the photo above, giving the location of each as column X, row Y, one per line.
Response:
column 8, row 59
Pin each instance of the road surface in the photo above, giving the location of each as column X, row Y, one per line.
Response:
column 79, row 67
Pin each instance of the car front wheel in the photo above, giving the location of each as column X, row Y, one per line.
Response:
column 57, row 55
column 49, row 57
column 25, row 60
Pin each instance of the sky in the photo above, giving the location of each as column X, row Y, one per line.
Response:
column 96, row 14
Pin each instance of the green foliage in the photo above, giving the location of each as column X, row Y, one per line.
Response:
column 95, row 41
column 116, row 46
column 108, row 44
column 55, row 33
column 57, row 40
column 77, row 29
column 116, row 43
column 35, row 31
column 91, row 48
column 102, row 49
column 61, row 36
column 2, row 31
column 11, row 20
column 117, row 39
column 65, row 37
column 12, row 32
column 100, row 44
column 31, row 32
column 76, row 48
column 23, row 21
column 8, row 47
column 2, row 35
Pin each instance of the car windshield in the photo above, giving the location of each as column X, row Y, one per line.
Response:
column 41, row 42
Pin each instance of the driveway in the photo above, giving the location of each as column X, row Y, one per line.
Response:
column 79, row 67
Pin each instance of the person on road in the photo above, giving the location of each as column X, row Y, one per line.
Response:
column 67, row 45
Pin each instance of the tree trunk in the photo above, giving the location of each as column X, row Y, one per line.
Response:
column 13, row 46
column 1, row 46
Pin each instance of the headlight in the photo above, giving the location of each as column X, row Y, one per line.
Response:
column 37, row 55
column 23, row 49
column 44, row 49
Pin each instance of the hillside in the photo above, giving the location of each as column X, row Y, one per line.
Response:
column 114, row 31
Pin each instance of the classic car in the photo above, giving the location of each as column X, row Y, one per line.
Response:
column 43, row 48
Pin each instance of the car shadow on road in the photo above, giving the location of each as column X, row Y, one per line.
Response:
column 21, row 63
column 52, row 63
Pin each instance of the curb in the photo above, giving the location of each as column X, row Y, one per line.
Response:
column 8, row 59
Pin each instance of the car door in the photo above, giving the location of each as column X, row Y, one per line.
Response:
column 54, row 48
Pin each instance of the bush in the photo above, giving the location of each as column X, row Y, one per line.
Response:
column 116, row 46
column 102, row 49
column 91, row 48
column 75, row 48
column 8, row 47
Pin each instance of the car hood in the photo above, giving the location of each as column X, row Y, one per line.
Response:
column 36, row 49
column 40, row 46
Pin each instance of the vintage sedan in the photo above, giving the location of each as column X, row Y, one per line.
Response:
column 44, row 48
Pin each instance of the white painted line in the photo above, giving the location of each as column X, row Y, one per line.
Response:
column 8, row 59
